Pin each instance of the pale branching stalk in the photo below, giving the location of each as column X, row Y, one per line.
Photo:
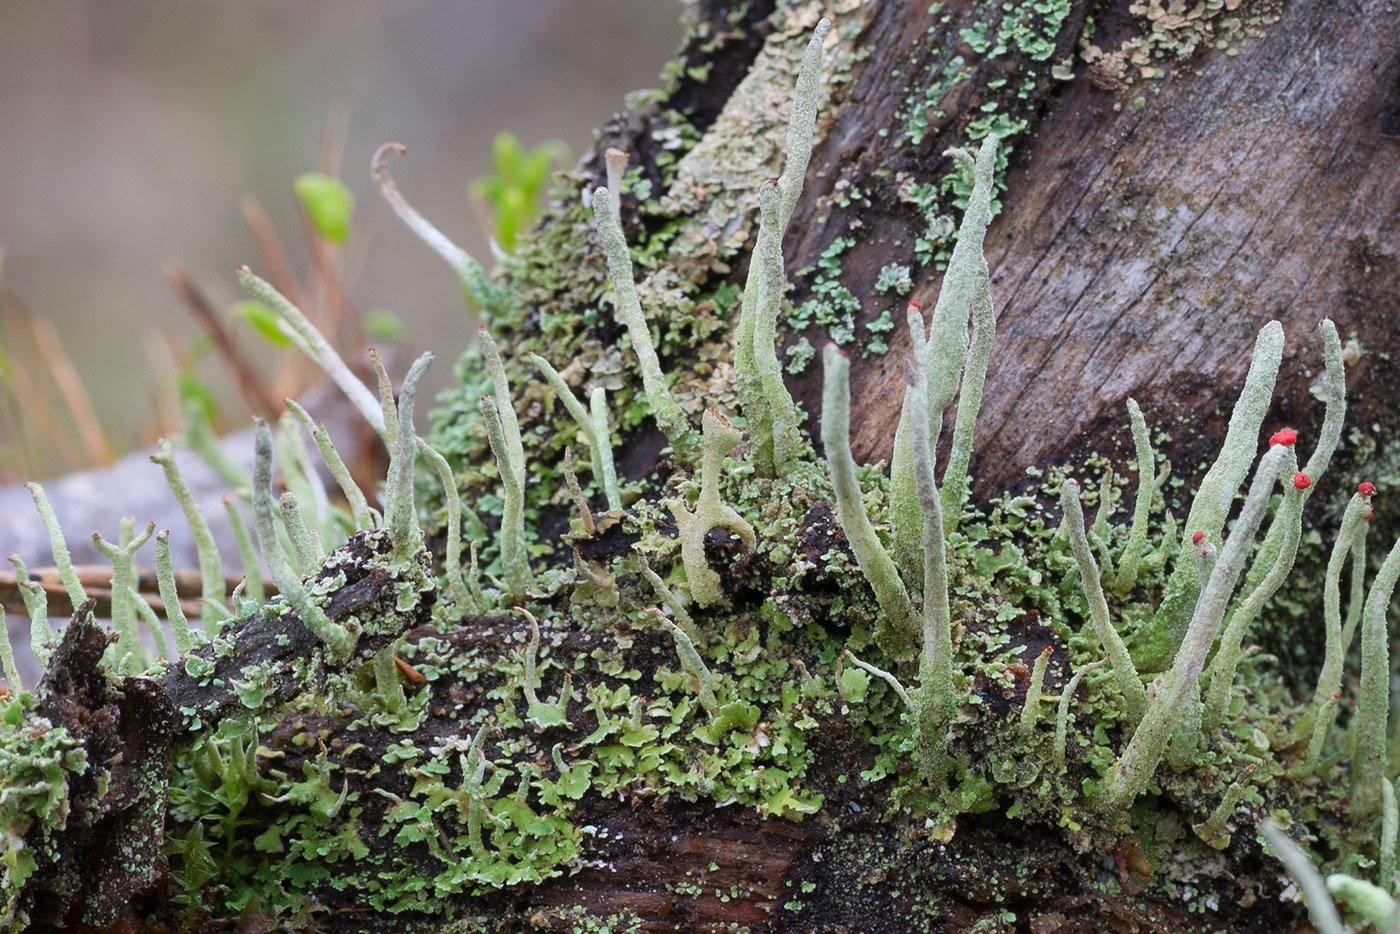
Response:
column 123, row 585
column 252, row 572
column 974, row 377
column 7, row 662
column 720, row 437
column 1390, row 822
column 360, row 513
column 1030, row 711
column 300, row 478
column 899, row 634
column 802, row 120
column 691, row 661
column 515, row 561
column 1289, row 518
column 170, row 596
column 1142, row 509
column 1178, row 688
column 1300, row 867
column 543, row 714
column 669, row 598
column 1062, row 711
column 947, row 346
column 889, row 679
column 389, row 412
column 452, row 556
column 616, row 162
column 304, row 548
column 585, row 514
column 211, row 566
column 61, row 559
column 669, row 417
column 937, row 695
column 1218, row 488
column 1323, row 709
column 1369, row 901
column 1212, row 830
column 152, row 621
column 42, row 640
column 1124, row 672
column 478, row 288
column 1356, row 601
column 905, row 514
column 337, row 639
column 400, row 511
column 1368, row 726
column 785, row 441
column 313, row 344
column 592, row 425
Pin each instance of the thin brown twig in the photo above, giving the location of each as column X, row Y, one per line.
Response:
column 70, row 385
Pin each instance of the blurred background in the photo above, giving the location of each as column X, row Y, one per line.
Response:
column 134, row 129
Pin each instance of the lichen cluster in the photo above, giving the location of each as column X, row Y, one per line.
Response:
column 403, row 731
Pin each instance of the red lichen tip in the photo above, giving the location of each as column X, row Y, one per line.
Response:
column 1196, row 539
column 1368, row 516
column 1301, row 481
column 916, row 304
column 1367, row 488
column 1285, row 436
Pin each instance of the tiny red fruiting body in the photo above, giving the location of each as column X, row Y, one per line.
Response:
column 1367, row 488
column 1301, row 481
column 1196, row 539
column 1284, row 436
column 916, row 304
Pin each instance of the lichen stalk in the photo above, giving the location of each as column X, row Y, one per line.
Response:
column 515, row 561
column 615, row 161
column 889, row 679
column 252, row 572
column 1368, row 726
column 170, row 596
column 36, row 604
column 61, row 558
column 669, row 417
column 313, row 344
column 900, row 633
column 1322, row 709
column 1030, row 711
column 1300, row 867
column 1390, row 823
column 593, row 427
column 360, row 513
column 303, row 548
column 152, row 621
column 974, row 378
column 1211, row 505
column 802, row 120
column 1221, row 674
column 1178, row 688
column 1124, row 671
column 720, row 437
column 337, row 639
column 947, row 346
column 1142, row 509
column 1356, row 601
column 477, row 286
column 1212, row 830
column 1062, row 710
column 452, row 552
column 7, row 662
column 691, row 661
column 211, row 567
column 783, row 417
column 401, row 512
column 123, row 583
column 937, row 694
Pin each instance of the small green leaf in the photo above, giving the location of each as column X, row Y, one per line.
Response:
column 385, row 326
column 264, row 321
column 328, row 204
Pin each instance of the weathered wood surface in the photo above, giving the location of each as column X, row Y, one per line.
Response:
column 1139, row 251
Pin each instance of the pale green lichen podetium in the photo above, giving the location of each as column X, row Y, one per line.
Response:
column 61, row 558
column 669, row 417
column 1390, row 824
column 400, row 511
column 772, row 415
column 1217, row 490
column 307, row 550
column 1368, row 726
column 592, row 425
column 936, row 697
column 1300, row 867
column 720, row 437
column 123, row 585
column 165, row 582
column 1177, row 692
column 314, row 346
column 1062, row 710
column 338, row 640
column 1221, row 674
column 1124, row 672
column 899, row 632
column 211, row 566
column 974, row 378
column 1030, row 710
column 252, row 574
column 478, row 288
column 503, row 434
column 360, row 512
column 1316, row 723
column 1126, row 578
column 36, row 603
column 691, row 661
